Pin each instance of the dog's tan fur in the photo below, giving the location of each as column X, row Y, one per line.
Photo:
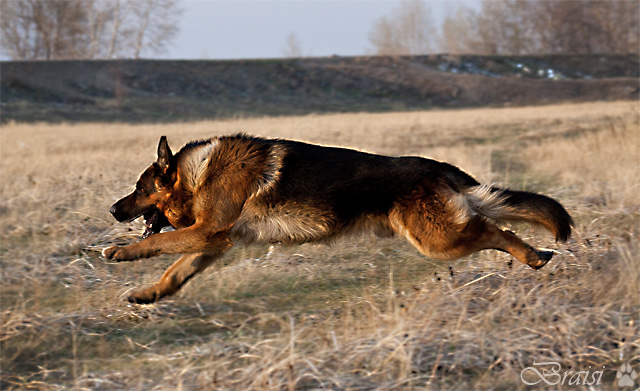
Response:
column 243, row 190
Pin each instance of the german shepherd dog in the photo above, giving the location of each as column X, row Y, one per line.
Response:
column 241, row 189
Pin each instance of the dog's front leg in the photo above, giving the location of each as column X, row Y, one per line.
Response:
column 194, row 239
column 128, row 253
column 175, row 277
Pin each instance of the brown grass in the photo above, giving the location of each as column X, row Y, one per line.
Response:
column 361, row 315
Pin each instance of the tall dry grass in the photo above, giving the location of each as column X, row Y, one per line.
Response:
column 363, row 314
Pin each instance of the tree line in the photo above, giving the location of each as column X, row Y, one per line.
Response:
column 512, row 27
column 98, row 29
column 86, row 29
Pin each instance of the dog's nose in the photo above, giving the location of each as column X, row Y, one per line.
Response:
column 112, row 210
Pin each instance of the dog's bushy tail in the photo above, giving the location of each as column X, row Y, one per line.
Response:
column 504, row 205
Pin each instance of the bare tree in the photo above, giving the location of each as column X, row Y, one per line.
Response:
column 591, row 26
column 544, row 26
column 16, row 34
column 116, row 33
column 293, row 48
column 408, row 30
column 384, row 38
column 499, row 27
column 74, row 29
column 157, row 25
column 456, row 34
column 41, row 29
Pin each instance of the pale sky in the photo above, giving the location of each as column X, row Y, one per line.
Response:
column 216, row 29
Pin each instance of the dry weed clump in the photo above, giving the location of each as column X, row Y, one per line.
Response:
column 361, row 315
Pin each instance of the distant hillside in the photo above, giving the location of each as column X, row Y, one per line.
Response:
column 147, row 90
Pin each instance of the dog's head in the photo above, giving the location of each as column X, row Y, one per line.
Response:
column 152, row 190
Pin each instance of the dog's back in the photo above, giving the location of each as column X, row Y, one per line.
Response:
column 324, row 192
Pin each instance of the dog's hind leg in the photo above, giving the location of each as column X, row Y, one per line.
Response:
column 174, row 277
column 493, row 237
column 522, row 251
column 434, row 233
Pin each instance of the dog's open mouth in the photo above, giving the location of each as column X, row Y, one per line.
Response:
column 155, row 221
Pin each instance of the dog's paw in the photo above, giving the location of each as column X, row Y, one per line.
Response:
column 116, row 253
column 143, row 296
column 543, row 258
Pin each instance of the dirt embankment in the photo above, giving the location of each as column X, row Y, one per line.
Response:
column 158, row 91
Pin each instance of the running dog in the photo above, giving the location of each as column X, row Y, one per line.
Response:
column 242, row 189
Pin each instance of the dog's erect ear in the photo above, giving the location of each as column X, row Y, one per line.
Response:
column 164, row 153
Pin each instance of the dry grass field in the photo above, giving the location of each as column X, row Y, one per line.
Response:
column 364, row 314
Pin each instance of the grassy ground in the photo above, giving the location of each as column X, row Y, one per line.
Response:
column 360, row 315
